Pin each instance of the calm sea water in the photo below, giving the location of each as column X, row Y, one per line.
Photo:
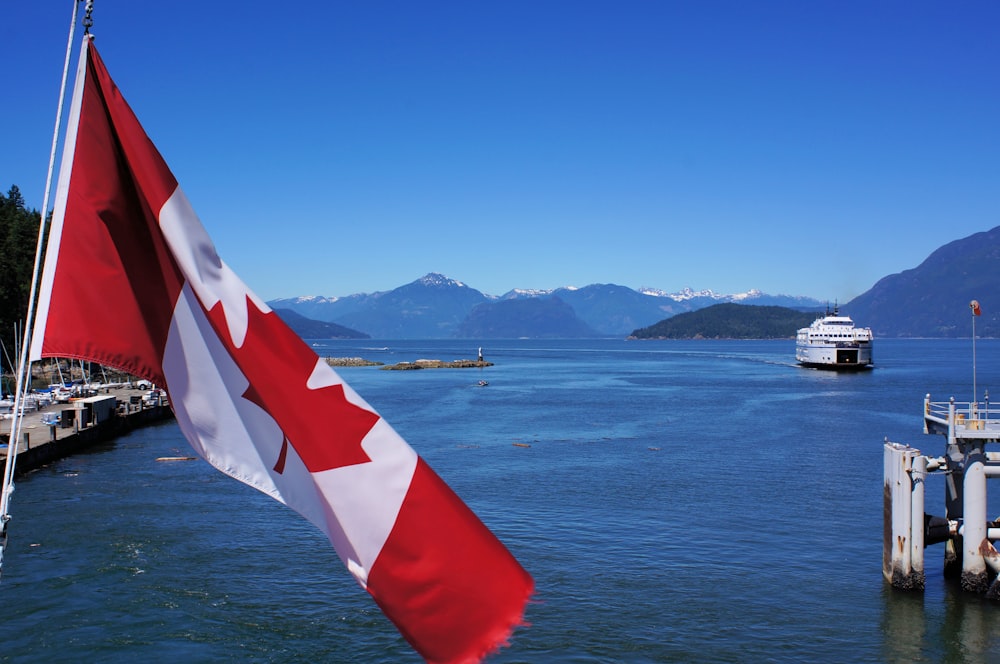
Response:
column 677, row 501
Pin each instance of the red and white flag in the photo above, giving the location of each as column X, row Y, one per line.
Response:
column 132, row 280
column 974, row 305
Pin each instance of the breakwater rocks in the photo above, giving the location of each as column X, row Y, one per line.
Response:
column 407, row 366
column 437, row 364
column 351, row 362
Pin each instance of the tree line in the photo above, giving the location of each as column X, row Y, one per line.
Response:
column 730, row 321
column 18, row 239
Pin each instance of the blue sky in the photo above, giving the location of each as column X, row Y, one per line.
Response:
column 803, row 148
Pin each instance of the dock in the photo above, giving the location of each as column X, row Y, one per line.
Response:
column 54, row 430
column 964, row 528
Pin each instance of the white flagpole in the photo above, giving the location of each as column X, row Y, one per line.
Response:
column 23, row 364
column 973, row 305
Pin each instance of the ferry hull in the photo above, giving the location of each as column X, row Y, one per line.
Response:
column 837, row 359
column 837, row 367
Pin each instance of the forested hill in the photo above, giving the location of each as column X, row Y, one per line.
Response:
column 315, row 329
column 729, row 321
column 18, row 238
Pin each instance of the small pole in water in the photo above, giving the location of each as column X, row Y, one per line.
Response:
column 974, row 305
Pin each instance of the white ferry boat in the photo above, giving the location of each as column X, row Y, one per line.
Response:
column 832, row 342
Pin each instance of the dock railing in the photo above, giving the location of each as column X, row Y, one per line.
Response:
column 962, row 419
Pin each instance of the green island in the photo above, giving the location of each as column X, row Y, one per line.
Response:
column 730, row 321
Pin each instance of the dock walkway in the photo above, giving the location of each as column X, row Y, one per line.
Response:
column 57, row 430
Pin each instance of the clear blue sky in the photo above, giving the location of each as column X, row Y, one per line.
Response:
column 805, row 148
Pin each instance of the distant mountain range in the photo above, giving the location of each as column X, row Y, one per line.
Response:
column 930, row 300
column 547, row 318
column 438, row 307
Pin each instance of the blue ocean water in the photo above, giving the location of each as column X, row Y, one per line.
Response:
column 674, row 500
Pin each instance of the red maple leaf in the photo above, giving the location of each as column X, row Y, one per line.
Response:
column 321, row 425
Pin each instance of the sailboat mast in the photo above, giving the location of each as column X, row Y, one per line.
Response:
column 23, row 363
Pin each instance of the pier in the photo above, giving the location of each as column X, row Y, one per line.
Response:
column 53, row 430
column 964, row 528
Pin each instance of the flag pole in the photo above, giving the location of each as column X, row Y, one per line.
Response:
column 23, row 382
column 974, row 305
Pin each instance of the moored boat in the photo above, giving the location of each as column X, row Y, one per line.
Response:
column 833, row 342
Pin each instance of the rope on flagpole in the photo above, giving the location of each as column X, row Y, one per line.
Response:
column 23, row 365
column 88, row 20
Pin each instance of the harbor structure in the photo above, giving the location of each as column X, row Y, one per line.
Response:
column 54, row 430
column 965, row 529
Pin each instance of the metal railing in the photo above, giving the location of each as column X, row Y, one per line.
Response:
column 964, row 415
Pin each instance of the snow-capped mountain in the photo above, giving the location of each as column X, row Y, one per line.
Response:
column 929, row 300
column 517, row 293
column 679, row 296
column 436, row 306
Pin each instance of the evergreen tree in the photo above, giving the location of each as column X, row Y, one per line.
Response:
column 18, row 239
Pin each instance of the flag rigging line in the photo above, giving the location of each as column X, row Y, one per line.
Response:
column 976, row 311
column 159, row 303
column 23, row 379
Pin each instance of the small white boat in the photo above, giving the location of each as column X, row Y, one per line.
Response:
column 833, row 342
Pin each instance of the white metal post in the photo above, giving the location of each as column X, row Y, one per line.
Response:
column 918, row 473
column 897, row 554
column 974, row 576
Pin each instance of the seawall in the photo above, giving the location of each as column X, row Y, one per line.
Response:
column 41, row 444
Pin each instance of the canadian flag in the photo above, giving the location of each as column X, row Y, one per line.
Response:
column 132, row 280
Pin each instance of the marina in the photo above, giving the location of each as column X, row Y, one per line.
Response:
column 53, row 429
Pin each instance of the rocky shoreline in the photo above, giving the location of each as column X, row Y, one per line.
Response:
column 407, row 366
column 437, row 364
column 351, row 362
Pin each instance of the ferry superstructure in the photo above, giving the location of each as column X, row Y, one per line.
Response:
column 832, row 342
